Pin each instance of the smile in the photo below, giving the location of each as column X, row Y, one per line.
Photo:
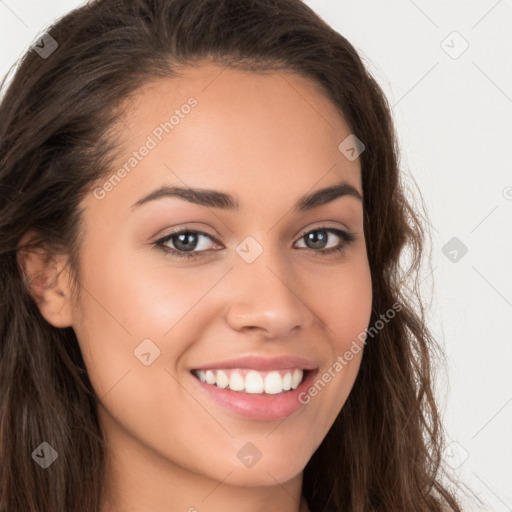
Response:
column 250, row 399
column 252, row 381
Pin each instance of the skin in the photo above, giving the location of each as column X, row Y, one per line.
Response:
column 267, row 139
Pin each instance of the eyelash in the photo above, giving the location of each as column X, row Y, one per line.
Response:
column 346, row 236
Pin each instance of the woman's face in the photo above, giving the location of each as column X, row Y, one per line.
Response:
column 261, row 284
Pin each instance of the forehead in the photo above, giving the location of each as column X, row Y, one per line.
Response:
column 216, row 85
column 244, row 132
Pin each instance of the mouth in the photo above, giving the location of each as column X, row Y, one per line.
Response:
column 254, row 382
column 257, row 395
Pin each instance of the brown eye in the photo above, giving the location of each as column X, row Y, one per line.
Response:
column 318, row 239
column 185, row 244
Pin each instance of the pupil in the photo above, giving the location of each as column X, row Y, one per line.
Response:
column 316, row 239
column 186, row 246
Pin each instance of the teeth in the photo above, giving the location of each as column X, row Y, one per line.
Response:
column 287, row 381
column 296, row 378
column 210, row 377
column 222, row 380
column 273, row 383
column 236, row 382
column 252, row 381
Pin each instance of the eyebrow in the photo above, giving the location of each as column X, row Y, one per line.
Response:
column 216, row 199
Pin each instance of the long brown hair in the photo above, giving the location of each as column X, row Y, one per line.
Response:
column 384, row 451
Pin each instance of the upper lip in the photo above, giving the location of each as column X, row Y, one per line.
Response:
column 262, row 363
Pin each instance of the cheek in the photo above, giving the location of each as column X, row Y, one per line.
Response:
column 123, row 303
column 346, row 305
column 133, row 331
column 345, row 310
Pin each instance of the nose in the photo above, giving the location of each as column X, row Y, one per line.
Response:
column 266, row 296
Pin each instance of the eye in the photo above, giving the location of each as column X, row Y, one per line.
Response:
column 184, row 241
column 318, row 238
column 189, row 244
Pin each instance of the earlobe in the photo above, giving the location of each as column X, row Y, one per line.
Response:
column 47, row 281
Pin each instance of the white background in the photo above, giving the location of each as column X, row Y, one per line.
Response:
column 454, row 120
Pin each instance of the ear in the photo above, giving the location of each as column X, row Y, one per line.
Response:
column 48, row 282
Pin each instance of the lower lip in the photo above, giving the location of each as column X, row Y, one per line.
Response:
column 259, row 406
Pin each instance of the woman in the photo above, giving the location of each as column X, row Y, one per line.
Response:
column 203, row 308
